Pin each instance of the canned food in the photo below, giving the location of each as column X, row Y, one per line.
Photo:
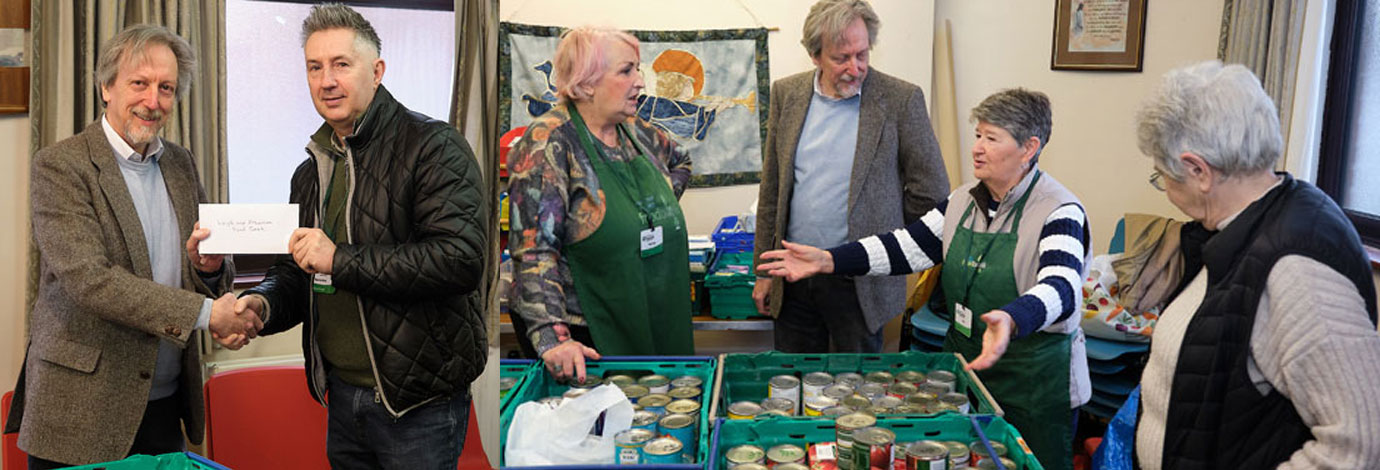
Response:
column 643, row 419
column 781, row 404
column 785, row 453
column 908, row 409
column 766, row 413
column 635, row 391
column 921, row 398
column 744, row 410
column 655, row 403
column 685, row 393
column 815, row 406
column 785, row 386
column 851, row 379
column 836, row 411
column 791, row 466
column 901, row 389
column 857, row 402
column 980, row 451
column 875, row 410
column 663, row 450
column 844, row 428
column 620, row 380
column 940, row 407
column 629, row 445
column 880, row 377
column 958, row 453
column 687, row 381
column 505, row 384
column 838, row 391
column 573, row 393
column 927, row 455
column 912, row 377
column 748, row 466
column 887, row 401
column 872, row 390
column 936, row 389
column 898, row 454
column 872, row 448
column 989, row 464
column 591, row 380
column 684, row 407
column 681, row 427
column 958, row 400
column 746, row 453
column 814, row 383
column 942, row 377
column 655, row 383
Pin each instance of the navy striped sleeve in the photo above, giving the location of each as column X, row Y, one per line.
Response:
column 1062, row 247
column 911, row 249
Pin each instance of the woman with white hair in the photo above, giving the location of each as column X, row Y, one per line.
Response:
column 1013, row 246
column 1268, row 357
column 600, row 256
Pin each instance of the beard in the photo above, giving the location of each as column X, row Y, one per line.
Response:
column 847, row 86
column 139, row 134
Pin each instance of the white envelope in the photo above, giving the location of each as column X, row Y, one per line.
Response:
column 247, row 228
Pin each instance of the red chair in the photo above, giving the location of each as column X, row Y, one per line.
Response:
column 11, row 458
column 264, row 418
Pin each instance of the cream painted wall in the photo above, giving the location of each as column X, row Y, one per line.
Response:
column 902, row 49
column 1092, row 148
column 14, row 243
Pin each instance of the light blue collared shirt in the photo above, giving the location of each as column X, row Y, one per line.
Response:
column 823, row 168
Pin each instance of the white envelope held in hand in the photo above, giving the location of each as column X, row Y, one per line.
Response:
column 238, row 229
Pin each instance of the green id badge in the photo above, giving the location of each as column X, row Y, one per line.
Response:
column 321, row 284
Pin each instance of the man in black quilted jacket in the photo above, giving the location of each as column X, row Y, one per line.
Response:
column 385, row 272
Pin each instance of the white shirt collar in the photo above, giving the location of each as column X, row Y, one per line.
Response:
column 124, row 150
column 820, row 91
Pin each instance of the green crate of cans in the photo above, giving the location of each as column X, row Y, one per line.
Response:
column 643, row 372
column 880, row 442
column 172, row 461
column 730, row 284
column 512, row 374
column 917, row 384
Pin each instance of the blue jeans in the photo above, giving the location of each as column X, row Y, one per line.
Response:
column 360, row 433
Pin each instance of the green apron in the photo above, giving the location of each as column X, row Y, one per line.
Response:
column 1031, row 381
column 636, row 301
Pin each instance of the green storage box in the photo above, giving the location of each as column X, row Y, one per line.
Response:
column 768, row 432
column 744, row 377
column 730, row 292
column 540, row 384
column 172, row 461
column 516, row 368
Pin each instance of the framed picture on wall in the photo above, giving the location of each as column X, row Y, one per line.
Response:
column 14, row 56
column 1098, row 35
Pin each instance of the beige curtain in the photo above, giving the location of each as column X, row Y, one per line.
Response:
column 65, row 98
column 1265, row 35
column 474, row 111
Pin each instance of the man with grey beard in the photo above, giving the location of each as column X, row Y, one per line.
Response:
column 113, row 366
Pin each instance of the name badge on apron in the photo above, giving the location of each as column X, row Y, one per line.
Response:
column 321, row 284
column 963, row 320
column 651, row 241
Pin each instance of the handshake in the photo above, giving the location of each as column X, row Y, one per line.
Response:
column 235, row 321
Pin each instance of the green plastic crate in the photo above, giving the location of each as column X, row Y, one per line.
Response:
column 540, row 384
column 172, row 461
column 744, row 377
column 730, row 294
column 772, row 431
column 513, row 368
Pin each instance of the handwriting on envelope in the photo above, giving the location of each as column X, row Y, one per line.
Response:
column 247, row 228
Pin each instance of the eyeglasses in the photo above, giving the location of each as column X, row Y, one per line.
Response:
column 1157, row 180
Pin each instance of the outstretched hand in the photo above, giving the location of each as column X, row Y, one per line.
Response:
column 796, row 262
column 995, row 340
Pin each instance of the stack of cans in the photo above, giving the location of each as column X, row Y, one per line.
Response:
column 665, row 426
column 907, row 392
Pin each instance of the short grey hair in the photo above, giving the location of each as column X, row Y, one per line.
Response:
column 1218, row 112
column 829, row 18
column 133, row 42
column 1021, row 112
column 329, row 16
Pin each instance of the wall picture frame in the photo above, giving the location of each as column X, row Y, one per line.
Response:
column 14, row 60
column 1101, row 35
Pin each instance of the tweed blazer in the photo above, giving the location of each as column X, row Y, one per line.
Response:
column 98, row 316
column 897, row 176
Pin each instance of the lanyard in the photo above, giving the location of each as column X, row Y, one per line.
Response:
column 1014, row 218
column 621, row 171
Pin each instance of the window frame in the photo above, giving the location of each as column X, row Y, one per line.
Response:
column 1338, row 110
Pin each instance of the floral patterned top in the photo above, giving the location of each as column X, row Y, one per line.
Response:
column 555, row 198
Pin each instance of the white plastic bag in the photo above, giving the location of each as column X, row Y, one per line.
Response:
column 560, row 435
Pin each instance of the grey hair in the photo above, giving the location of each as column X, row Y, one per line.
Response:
column 329, row 16
column 1218, row 112
column 829, row 18
column 133, row 42
column 1021, row 112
